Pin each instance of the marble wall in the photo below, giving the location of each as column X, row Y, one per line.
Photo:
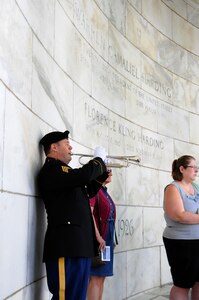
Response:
column 123, row 74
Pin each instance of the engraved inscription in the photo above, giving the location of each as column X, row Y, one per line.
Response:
column 148, row 103
column 83, row 56
column 125, row 227
column 150, row 141
column 107, row 82
column 94, row 35
column 156, row 85
column 124, row 63
column 121, row 129
column 95, row 115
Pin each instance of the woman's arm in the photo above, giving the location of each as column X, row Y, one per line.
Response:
column 101, row 241
column 174, row 207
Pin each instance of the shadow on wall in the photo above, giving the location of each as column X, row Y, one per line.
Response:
column 37, row 227
column 37, row 267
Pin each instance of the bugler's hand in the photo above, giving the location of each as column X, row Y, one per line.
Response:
column 100, row 152
column 107, row 161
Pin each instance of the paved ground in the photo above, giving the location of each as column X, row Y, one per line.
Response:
column 157, row 294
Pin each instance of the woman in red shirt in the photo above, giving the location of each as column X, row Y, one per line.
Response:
column 104, row 213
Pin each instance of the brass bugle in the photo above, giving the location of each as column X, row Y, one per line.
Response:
column 125, row 160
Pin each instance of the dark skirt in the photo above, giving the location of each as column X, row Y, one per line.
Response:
column 107, row 269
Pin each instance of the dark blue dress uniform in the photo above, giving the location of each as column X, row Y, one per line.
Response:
column 70, row 236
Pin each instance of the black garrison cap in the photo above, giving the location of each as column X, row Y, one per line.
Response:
column 53, row 137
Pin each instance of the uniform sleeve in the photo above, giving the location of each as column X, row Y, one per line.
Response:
column 56, row 176
column 95, row 185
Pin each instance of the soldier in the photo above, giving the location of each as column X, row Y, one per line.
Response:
column 70, row 236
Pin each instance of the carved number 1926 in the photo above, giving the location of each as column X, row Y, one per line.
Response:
column 125, row 227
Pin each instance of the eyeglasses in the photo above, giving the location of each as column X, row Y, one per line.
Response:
column 193, row 167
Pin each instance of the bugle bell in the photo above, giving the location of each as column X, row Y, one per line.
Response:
column 124, row 160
